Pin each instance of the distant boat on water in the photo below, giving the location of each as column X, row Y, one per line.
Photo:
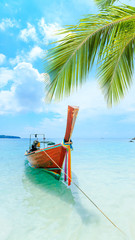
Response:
column 52, row 157
column 5, row 136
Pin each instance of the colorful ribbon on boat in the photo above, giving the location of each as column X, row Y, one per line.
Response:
column 65, row 169
column 68, row 162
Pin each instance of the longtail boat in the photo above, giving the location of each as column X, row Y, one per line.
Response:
column 52, row 157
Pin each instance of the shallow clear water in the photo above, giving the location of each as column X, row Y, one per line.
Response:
column 33, row 205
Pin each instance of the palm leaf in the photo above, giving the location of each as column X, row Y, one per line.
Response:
column 117, row 67
column 102, row 4
column 70, row 61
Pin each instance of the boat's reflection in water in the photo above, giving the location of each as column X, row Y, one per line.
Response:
column 47, row 185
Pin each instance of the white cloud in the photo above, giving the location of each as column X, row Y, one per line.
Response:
column 2, row 58
column 28, row 33
column 49, row 31
column 41, row 34
column 27, row 91
column 8, row 103
column 30, row 91
column 5, row 76
column 7, row 23
column 35, row 53
column 17, row 59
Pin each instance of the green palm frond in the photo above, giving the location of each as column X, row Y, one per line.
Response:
column 102, row 4
column 117, row 67
column 96, row 38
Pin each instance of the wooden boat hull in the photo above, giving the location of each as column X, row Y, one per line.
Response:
column 48, row 158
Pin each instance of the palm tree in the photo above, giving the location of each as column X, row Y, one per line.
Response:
column 107, row 40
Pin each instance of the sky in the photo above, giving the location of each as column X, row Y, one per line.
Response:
column 27, row 29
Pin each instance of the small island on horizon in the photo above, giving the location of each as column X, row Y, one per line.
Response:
column 6, row 136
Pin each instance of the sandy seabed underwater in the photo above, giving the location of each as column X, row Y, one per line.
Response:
column 33, row 205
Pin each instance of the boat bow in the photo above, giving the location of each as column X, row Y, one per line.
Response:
column 71, row 118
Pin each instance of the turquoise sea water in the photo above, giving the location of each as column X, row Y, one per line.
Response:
column 33, row 205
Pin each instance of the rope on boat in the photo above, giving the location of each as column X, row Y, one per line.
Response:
column 87, row 197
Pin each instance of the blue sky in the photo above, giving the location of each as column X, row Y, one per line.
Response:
column 26, row 30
